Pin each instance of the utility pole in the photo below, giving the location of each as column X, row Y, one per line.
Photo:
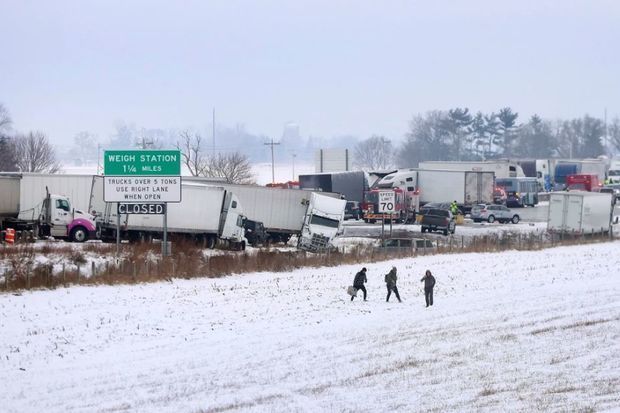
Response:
column 272, row 144
column 294, row 155
column 214, row 132
column 606, row 137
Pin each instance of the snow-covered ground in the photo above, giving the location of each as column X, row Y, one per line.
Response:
column 512, row 331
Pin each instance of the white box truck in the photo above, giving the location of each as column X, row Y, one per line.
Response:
column 579, row 211
column 206, row 213
column 501, row 168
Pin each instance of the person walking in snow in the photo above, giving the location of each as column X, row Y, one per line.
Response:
column 390, row 283
column 358, row 282
column 429, row 283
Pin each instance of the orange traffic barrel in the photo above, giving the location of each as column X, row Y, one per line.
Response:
column 9, row 236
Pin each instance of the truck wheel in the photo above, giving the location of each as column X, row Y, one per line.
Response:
column 491, row 219
column 515, row 219
column 445, row 231
column 79, row 234
column 210, row 242
column 423, row 230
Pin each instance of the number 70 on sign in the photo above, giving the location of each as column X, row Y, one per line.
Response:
column 386, row 201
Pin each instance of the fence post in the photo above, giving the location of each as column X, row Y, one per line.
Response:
column 93, row 269
column 6, row 280
column 64, row 281
column 27, row 279
column 462, row 241
column 134, row 272
column 78, row 274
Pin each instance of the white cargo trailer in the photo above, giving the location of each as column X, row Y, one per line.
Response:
column 206, row 213
column 579, row 211
column 501, row 168
column 465, row 187
column 282, row 211
column 9, row 196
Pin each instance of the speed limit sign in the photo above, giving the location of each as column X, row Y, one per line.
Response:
column 386, row 202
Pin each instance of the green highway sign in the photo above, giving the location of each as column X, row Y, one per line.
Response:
column 142, row 163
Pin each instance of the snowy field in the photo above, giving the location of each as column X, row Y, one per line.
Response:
column 513, row 331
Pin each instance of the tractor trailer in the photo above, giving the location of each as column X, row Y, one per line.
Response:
column 53, row 215
column 206, row 213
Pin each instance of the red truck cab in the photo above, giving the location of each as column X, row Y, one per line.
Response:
column 582, row 182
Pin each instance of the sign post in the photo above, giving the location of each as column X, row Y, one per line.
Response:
column 386, row 206
column 142, row 182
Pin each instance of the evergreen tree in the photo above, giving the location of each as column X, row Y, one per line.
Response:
column 456, row 125
column 507, row 130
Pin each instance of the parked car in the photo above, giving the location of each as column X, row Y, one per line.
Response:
column 352, row 210
column 613, row 189
column 408, row 244
column 492, row 213
column 438, row 220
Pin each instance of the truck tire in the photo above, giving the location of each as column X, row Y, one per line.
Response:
column 423, row 230
column 491, row 219
column 79, row 234
column 211, row 242
column 515, row 219
column 445, row 231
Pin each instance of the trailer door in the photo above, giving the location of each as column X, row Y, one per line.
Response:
column 573, row 212
column 478, row 188
column 557, row 212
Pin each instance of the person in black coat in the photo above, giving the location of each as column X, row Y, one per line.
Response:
column 429, row 283
column 358, row 282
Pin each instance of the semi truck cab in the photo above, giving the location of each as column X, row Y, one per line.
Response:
column 59, row 219
column 322, row 223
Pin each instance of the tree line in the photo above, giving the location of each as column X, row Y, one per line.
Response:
column 32, row 151
column 26, row 152
column 459, row 135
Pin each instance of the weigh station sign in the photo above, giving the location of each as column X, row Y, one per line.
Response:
column 142, row 176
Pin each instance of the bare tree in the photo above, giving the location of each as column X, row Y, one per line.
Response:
column 5, row 119
column 190, row 145
column 8, row 163
column 34, row 153
column 234, row 167
column 374, row 153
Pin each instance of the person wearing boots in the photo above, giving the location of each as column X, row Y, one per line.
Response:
column 390, row 283
column 429, row 283
column 358, row 282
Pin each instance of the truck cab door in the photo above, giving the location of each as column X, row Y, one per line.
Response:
column 61, row 216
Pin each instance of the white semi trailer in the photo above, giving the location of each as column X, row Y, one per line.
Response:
column 501, row 168
column 284, row 212
column 206, row 213
column 579, row 211
column 44, row 214
column 467, row 188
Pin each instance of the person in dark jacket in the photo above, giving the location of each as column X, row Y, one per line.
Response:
column 358, row 282
column 429, row 283
column 390, row 283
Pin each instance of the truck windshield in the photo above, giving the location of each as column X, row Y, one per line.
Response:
column 324, row 222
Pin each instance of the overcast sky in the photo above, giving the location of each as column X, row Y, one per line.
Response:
column 334, row 67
